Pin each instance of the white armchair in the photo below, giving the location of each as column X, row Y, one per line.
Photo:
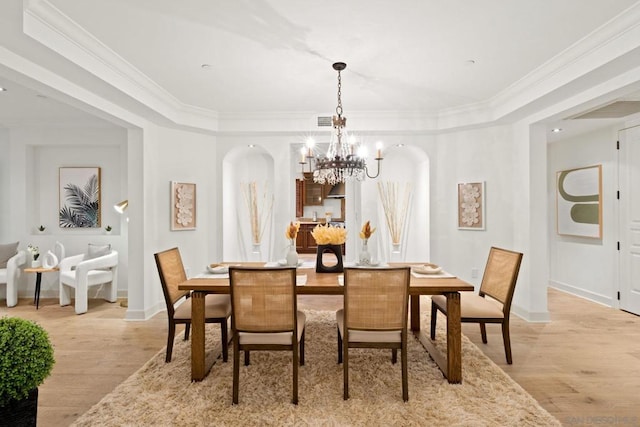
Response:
column 10, row 276
column 101, row 270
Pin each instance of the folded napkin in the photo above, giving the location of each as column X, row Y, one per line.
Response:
column 441, row 275
column 212, row 276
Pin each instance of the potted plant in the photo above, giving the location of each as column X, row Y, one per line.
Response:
column 41, row 229
column 108, row 229
column 26, row 359
column 35, row 254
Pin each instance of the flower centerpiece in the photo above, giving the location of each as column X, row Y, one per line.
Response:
column 291, row 233
column 35, row 254
column 364, row 258
column 329, row 239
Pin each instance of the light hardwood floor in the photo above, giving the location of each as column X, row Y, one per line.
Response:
column 583, row 366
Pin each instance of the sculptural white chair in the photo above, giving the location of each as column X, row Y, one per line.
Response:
column 85, row 270
column 10, row 274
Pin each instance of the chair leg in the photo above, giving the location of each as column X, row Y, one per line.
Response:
column 302, row 349
column 295, row 361
column 236, row 369
column 405, row 374
column 339, row 347
column 187, row 328
column 246, row 358
column 170, row 336
column 434, row 317
column 394, row 355
column 483, row 332
column 225, row 340
column 507, row 341
column 345, row 368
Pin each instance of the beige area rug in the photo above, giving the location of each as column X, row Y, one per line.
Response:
column 161, row 394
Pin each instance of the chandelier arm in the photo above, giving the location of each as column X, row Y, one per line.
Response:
column 366, row 169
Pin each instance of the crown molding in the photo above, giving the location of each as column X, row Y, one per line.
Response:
column 619, row 36
column 55, row 30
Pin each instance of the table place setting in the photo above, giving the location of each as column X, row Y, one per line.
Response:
column 430, row 271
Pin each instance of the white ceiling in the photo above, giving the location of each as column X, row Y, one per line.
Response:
column 276, row 56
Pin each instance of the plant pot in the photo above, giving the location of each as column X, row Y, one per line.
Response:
column 36, row 264
column 21, row 412
column 334, row 249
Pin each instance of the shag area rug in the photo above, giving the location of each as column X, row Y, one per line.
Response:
column 162, row 394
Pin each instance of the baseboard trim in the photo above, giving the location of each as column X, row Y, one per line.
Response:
column 582, row 293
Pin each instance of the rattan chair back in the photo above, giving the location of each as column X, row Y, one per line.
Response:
column 500, row 276
column 263, row 299
column 376, row 299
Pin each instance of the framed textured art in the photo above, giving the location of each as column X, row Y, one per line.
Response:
column 579, row 202
column 183, row 206
column 471, row 206
column 79, row 197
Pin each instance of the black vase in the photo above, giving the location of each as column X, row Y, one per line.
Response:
column 334, row 249
column 20, row 413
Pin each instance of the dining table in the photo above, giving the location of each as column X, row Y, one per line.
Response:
column 318, row 283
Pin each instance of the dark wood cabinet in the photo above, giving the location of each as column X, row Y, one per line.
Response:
column 305, row 243
column 299, row 198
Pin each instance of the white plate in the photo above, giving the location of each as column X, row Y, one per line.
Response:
column 283, row 262
column 427, row 269
column 218, row 268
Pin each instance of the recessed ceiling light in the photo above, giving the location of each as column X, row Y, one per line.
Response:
column 42, row 96
column 400, row 145
column 470, row 61
column 556, row 130
column 3, row 89
column 205, row 66
column 251, row 146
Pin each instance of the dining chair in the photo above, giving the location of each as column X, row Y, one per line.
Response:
column 492, row 304
column 217, row 307
column 264, row 316
column 374, row 316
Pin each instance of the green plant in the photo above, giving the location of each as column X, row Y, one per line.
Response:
column 26, row 358
column 108, row 228
column 42, row 227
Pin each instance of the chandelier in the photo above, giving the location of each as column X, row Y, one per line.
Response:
column 344, row 159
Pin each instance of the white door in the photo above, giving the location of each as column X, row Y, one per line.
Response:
column 629, row 182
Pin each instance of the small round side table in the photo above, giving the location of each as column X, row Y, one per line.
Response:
column 38, row 271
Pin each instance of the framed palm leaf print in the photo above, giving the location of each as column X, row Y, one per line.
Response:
column 79, row 197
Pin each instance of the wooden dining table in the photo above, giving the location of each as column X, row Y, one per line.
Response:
column 327, row 284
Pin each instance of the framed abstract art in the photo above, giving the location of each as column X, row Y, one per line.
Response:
column 471, row 206
column 79, row 197
column 579, row 202
column 183, row 206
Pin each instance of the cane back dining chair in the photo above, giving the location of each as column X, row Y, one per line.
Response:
column 374, row 316
column 492, row 304
column 217, row 307
column 264, row 316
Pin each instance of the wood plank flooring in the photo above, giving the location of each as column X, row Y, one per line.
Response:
column 583, row 366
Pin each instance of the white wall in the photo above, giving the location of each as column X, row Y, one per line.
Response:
column 34, row 159
column 579, row 265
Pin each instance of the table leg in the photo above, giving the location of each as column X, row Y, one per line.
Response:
column 36, row 296
column 454, row 339
column 415, row 313
column 197, row 336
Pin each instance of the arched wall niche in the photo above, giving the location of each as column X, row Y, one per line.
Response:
column 241, row 166
column 406, row 164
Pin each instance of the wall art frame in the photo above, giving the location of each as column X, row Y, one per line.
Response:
column 471, row 206
column 579, row 202
column 183, row 206
column 79, row 197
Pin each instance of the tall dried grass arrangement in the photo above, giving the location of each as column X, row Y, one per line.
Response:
column 395, row 208
column 259, row 211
